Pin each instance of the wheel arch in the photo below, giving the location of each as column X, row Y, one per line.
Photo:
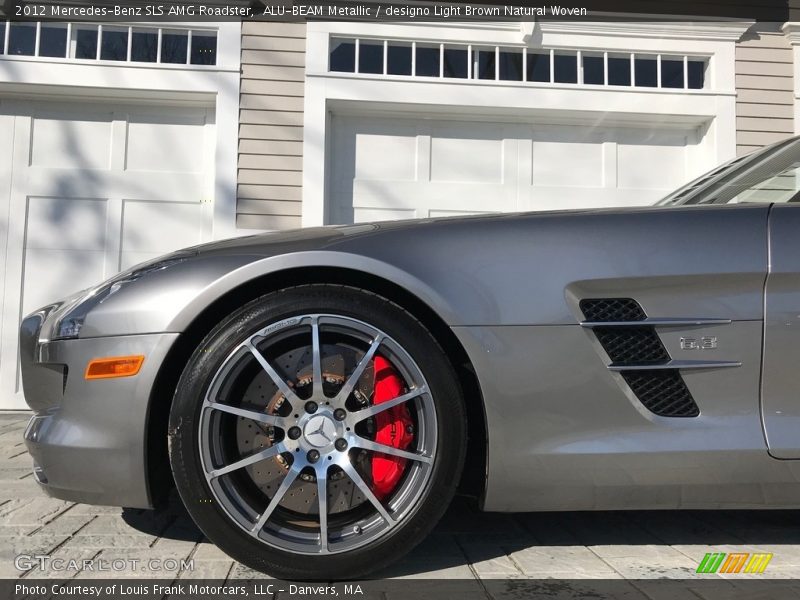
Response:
column 159, row 477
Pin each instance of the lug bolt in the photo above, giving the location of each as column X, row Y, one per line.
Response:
column 311, row 407
column 341, row 444
column 312, row 456
column 339, row 414
column 294, row 433
column 409, row 429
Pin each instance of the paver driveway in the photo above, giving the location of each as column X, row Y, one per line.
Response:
column 466, row 545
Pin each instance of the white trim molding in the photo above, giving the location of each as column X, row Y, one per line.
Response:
column 792, row 32
column 659, row 27
column 527, row 29
column 712, row 110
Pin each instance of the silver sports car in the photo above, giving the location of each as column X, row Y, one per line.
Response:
column 317, row 396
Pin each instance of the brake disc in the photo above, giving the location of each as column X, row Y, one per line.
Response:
column 251, row 436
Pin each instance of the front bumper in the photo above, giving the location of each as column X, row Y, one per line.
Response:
column 88, row 438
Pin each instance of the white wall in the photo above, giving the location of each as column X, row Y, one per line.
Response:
column 202, row 102
column 710, row 110
column 217, row 86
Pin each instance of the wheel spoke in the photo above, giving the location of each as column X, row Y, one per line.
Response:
column 287, row 363
column 322, row 496
column 316, row 354
column 281, row 384
column 375, row 409
column 265, row 418
column 348, row 468
column 291, row 475
column 253, row 458
column 360, row 442
column 348, row 387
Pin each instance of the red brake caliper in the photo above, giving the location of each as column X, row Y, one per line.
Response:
column 394, row 428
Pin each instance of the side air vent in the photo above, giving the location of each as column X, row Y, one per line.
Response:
column 662, row 392
column 638, row 354
column 612, row 309
column 632, row 344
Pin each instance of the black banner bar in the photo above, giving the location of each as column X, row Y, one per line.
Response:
column 396, row 10
column 740, row 588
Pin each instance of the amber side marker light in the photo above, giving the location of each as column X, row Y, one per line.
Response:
column 113, row 366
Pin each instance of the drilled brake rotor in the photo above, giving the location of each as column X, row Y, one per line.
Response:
column 251, row 436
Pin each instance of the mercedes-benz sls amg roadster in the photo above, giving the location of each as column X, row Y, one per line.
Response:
column 317, row 396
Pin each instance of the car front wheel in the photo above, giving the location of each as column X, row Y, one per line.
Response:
column 317, row 433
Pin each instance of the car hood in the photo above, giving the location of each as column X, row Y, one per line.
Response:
column 340, row 237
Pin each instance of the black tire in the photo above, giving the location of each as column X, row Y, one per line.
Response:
column 184, row 436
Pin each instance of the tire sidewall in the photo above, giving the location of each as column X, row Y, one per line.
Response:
column 184, row 444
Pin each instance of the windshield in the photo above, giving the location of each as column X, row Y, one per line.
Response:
column 768, row 175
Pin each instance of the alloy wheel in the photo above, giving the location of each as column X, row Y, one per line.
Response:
column 298, row 448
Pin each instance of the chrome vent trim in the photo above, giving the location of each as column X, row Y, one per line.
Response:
column 676, row 365
column 656, row 322
column 629, row 338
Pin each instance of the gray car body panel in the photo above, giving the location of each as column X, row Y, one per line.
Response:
column 780, row 390
column 497, row 270
column 88, row 438
column 563, row 433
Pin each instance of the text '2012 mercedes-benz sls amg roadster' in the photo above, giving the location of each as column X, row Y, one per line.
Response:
column 316, row 394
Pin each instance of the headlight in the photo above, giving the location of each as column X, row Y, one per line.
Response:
column 70, row 323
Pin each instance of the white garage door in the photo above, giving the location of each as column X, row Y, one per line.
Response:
column 87, row 190
column 398, row 168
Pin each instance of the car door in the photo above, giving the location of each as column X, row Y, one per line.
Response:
column 780, row 402
column 568, row 426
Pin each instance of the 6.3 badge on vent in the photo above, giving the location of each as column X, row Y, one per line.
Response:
column 707, row 342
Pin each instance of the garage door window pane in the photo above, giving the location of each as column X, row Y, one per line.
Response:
column 671, row 73
column 483, row 63
column 53, row 40
column 86, row 42
column 509, row 63
column 645, row 71
column 144, row 45
column 619, row 70
column 455, row 62
column 696, row 74
column 174, row 46
column 22, row 39
column 204, row 48
column 114, row 45
column 539, row 67
column 343, row 56
column 565, row 68
column 370, row 57
column 398, row 59
column 593, row 70
column 511, row 66
column 427, row 61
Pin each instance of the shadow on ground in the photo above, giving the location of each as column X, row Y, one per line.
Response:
column 466, row 536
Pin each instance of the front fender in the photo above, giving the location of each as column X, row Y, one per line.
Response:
column 274, row 265
column 170, row 300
